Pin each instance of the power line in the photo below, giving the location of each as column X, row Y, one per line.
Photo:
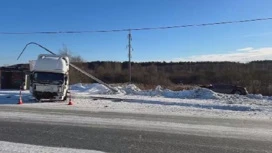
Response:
column 136, row 29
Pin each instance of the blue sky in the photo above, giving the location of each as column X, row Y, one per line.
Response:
column 194, row 43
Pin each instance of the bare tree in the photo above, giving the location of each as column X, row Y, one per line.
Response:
column 74, row 76
column 66, row 52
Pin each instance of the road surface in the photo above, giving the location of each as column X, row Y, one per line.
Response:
column 118, row 138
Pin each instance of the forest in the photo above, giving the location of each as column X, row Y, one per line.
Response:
column 256, row 76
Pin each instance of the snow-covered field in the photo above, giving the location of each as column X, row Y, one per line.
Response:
column 195, row 102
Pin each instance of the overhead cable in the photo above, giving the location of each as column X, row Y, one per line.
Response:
column 136, row 29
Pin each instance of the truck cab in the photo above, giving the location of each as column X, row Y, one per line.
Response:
column 49, row 77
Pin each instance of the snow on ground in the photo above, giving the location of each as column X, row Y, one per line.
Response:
column 131, row 89
column 12, row 96
column 94, row 88
column 10, row 147
column 196, row 102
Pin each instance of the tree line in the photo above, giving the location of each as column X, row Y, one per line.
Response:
column 255, row 76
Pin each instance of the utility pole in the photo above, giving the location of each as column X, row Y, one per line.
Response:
column 129, row 54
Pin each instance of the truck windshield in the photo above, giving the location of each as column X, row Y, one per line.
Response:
column 46, row 77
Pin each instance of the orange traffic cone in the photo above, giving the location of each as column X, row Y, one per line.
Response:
column 20, row 98
column 70, row 99
column 20, row 101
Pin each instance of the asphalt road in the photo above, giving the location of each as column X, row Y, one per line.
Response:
column 146, row 117
column 122, row 140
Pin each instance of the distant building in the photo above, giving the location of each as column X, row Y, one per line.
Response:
column 14, row 76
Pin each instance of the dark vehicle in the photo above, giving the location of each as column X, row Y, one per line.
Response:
column 226, row 89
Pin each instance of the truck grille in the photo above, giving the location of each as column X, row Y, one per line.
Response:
column 45, row 95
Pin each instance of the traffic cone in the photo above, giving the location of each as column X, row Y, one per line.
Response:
column 20, row 101
column 70, row 99
column 20, row 98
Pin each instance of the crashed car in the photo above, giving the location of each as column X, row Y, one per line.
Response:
column 226, row 89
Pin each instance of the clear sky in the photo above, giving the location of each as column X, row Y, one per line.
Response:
column 238, row 42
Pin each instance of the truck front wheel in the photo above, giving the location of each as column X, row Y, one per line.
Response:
column 238, row 92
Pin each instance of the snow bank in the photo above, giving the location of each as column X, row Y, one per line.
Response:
column 94, row 88
column 259, row 96
column 131, row 89
column 78, row 87
column 198, row 93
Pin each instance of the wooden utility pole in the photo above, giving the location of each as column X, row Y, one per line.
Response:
column 129, row 54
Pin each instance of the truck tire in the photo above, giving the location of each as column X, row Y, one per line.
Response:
column 238, row 92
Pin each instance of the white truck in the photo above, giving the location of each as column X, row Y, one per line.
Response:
column 49, row 78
